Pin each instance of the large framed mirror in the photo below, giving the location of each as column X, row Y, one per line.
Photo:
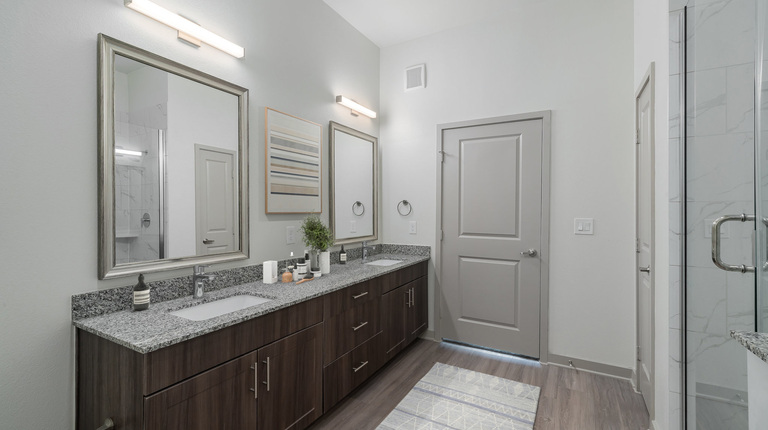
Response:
column 354, row 185
column 173, row 164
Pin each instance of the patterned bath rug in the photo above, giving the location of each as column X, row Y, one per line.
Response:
column 450, row 397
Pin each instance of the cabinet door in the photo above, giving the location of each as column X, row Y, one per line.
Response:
column 394, row 306
column 418, row 310
column 290, row 381
column 221, row 398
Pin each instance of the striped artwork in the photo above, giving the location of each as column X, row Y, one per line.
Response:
column 293, row 164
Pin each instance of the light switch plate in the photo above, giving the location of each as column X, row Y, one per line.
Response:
column 290, row 235
column 584, row 226
column 412, row 227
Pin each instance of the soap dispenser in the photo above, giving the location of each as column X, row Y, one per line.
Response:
column 287, row 275
column 342, row 256
column 140, row 295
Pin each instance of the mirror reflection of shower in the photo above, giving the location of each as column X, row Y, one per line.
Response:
column 140, row 182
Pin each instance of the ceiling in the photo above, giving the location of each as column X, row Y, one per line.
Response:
column 389, row 22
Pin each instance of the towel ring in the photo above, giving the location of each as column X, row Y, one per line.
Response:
column 360, row 204
column 404, row 203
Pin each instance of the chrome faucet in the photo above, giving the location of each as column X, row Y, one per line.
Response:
column 198, row 281
column 365, row 250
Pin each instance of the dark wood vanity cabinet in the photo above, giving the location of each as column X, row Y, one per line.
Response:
column 404, row 316
column 290, row 381
column 278, row 371
column 221, row 398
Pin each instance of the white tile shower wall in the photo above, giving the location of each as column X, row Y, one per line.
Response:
column 720, row 181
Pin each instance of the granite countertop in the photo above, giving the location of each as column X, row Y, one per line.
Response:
column 757, row 343
column 156, row 328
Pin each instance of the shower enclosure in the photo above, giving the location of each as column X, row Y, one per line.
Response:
column 718, row 132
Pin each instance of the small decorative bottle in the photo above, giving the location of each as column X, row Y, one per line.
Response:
column 140, row 295
column 342, row 256
column 287, row 276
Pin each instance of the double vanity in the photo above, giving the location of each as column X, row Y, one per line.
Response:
column 244, row 355
column 279, row 363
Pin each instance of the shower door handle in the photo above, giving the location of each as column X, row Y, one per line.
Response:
column 716, row 243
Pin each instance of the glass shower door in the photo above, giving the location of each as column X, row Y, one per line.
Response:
column 761, row 166
column 719, row 181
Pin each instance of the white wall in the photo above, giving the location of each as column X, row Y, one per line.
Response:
column 299, row 55
column 651, row 44
column 574, row 58
column 212, row 123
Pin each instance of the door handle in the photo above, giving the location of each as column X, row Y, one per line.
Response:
column 530, row 253
column 646, row 269
column 716, row 243
column 208, row 241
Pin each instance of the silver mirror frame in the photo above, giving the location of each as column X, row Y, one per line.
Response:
column 334, row 126
column 108, row 48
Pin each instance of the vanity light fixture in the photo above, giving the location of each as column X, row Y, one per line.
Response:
column 187, row 29
column 119, row 151
column 355, row 106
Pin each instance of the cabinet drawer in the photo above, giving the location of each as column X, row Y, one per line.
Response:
column 350, row 329
column 354, row 295
column 403, row 276
column 350, row 370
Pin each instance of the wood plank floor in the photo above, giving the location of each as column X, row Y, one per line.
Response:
column 570, row 399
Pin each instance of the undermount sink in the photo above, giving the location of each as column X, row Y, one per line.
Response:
column 384, row 262
column 219, row 307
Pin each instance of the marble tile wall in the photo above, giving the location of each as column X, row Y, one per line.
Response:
column 719, row 122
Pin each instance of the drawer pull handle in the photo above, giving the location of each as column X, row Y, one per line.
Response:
column 364, row 293
column 355, row 369
column 360, row 326
column 267, row 381
column 255, row 381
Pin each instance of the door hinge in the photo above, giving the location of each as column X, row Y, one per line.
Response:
column 442, row 235
column 637, row 245
column 638, row 354
column 442, row 155
column 637, row 137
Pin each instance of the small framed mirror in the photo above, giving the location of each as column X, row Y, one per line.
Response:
column 354, row 184
column 173, row 164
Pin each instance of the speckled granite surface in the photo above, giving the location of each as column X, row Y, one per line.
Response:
column 757, row 343
column 153, row 329
column 102, row 302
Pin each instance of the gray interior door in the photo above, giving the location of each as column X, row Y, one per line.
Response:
column 643, row 276
column 215, row 200
column 491, row 221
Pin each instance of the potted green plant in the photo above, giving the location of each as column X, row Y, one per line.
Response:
column 318, row 237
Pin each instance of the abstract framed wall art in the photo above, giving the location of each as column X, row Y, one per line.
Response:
column 294, row 164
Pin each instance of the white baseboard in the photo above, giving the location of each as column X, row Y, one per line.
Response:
column 591, row 366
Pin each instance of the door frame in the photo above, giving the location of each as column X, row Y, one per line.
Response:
column 648, row 82
column 546, row 118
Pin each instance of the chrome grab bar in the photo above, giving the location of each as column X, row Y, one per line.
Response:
column 716, row 243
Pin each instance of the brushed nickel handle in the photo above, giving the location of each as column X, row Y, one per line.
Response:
column 531, row 252
column 646, row 269
column 255, row 381
column 267, row 381
column 364, row 293
column 716, row 243
column 360, row 326
column 108, row 424
column 355, row 369
column 208, row 241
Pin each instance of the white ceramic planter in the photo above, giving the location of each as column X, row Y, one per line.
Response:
column 325, row 262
